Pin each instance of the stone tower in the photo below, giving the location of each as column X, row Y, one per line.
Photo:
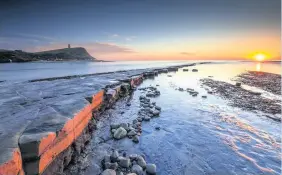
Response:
column 69, row 46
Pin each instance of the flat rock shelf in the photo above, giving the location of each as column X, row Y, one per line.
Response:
column 44, row 123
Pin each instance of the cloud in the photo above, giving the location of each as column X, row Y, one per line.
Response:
column 115, row 35
column 186, row 53
column 130, row 38
column 25, row 36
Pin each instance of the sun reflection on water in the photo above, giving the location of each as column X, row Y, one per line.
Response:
column 258, row 67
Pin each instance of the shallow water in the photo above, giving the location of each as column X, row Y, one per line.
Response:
column 197, row 136
column 36, row 70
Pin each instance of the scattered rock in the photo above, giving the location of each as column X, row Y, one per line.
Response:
column 185, row 70
column 115, row 126
column 135, row 139
column 147, row 118
column 151, row 169
column 119, row 173
column 194, row 70
column 120, row 133
column 141, row 162
column 112, row 166
column 124, row 162
column 114, row 156
column 109, row 172
column 133, row 157
column 157, row 128
column 137, row 169
column 204, row 96
column 158, row 108
column 107, row 158
column 124, row 125
column 238, row 84
column 132, row 133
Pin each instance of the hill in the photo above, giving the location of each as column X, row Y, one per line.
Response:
column 66, row 54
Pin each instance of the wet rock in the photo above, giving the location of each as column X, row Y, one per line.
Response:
column 128, row 104
column 153, row 103
column 194, row 94
column 124, row 162
column 157, row 128
column 107, row 158
column 135, row 139
column 169, row 75
column 114, row 156
column 180, row 89
column 132, row 133
column 147, row 118
column 134, row 121
column 112, row 166
column 210, row 92
column 204, row 96
column 124, row 154
column 156, row 112
column 238, row 84
column 115, row 126
column 120, row 133
column 158, row 108
column 185, row 70
column 113, row 130
column 124, row 125
column 141, row 162
column 194, row 70
column 133, row 157
column 139, row 119
column 109, row 172
column 137, row 169
column 151, row 169
column 119, row 173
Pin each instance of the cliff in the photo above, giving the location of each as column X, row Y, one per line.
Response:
column 66, row 54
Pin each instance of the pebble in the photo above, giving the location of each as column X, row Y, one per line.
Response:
column 157, row 128
column 147, row 118
column 137, row 169
column 109, row 172
column 238, row 84
column 112, row 166
column 204, row 96
column 132, row 133
column 114, row 156
column 158, row 108
column 151, row 169
column 120, row 133
column 115, row 126
column 135, row 139
column 141, row 162
column 124, row 162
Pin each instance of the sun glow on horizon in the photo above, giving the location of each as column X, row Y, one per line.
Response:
column 260, row 57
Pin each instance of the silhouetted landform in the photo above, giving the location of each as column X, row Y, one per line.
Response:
column 65, row 54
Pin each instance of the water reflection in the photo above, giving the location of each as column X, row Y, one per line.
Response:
column 258, row 67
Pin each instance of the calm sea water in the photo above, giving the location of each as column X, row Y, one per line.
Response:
column 35, row 70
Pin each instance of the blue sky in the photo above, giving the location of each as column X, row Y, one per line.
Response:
column 147, row 29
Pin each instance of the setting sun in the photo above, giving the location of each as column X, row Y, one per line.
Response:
column 260, row 57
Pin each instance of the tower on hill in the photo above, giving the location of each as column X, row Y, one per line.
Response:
column 69, row 46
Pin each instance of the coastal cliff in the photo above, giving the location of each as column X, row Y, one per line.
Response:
column 65, row 54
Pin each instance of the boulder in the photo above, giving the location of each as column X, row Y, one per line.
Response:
column 112, row 166
column 135, row 139
column 120, row 133
column 141, row 162
column 132, row 133
column 124, row 162
column 151, row 168
column 137, row 169
column 109, row 172
column 114, row 156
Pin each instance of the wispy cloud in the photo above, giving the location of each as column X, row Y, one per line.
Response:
column 130, row 38
column 25, row 36
column 186, row 53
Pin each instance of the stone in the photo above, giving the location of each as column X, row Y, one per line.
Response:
column 147, row 118
column 153, row 103
column 128, row 104
column 113, row 130
column 185, row 70
column 158, row 108
column 115, row 126
column 114, row 156
column 107, row 158
column 133, row 157
column 137, row 169
column 119, row 173
column 141, row 162
column 156, row 113
column 109, row 172
column 151, row 168
column 112, row 166
column 139, row 119
column 132, row 133
column 204, row 96
column 194, row 70
column 180, row 89
column 135, row 139
column 238, row 84
column 132, row 174
column 157, row 128
column 135, row 121
column 124, row 162
column 124, row 125
column 120, row 133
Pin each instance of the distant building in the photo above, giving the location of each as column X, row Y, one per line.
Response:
column 69, row 46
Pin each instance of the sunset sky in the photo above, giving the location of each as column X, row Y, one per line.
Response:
column 145, row 29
